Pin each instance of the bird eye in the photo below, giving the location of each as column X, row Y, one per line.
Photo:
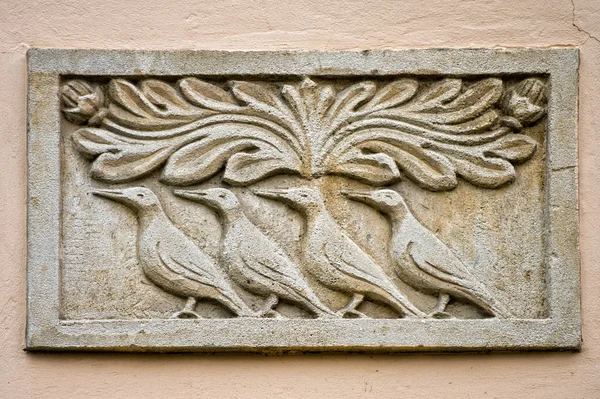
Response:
column 303, row 195
column 221, row 195
column 141, row 195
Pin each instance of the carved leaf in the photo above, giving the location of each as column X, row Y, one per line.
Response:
column 350, row 98
column 478, row 97
column 118, row 159
column 156, row 107
column 207, row 95
column 130, row 98
column 92, row 142
column 346, row 102
column 317, row 98
column 374, row 168
column 247, row 168
column 257, row 96
column 246, row 155
column 265, row 102
column 516, row 148
column 432, row 111
column 427, row 168
column 200, row 161
column 392, row 94
column 165, row 97
column 484, row 172
column 438, row 93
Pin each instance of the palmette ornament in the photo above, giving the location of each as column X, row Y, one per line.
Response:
column 431, row 133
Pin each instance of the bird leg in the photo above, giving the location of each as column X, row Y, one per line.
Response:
column 188, row 310
column 439, row 312
column 268, row 307
column 349, row 311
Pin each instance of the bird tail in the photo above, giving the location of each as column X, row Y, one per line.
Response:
column 319, row 309
column 407, row 308
column 483, row 299
column 308, row 300
column 236, row 304
column 400, row 303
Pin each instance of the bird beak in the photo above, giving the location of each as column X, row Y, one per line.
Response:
column 271, row 194
column 193, row 195
column 359, row 195
column 110, row 194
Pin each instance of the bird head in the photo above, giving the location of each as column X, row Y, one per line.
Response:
column 386, row 201
column 301, row 198
column 137, row 198
column 216, row 198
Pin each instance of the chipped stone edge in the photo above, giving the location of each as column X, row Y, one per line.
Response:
column 46, row 331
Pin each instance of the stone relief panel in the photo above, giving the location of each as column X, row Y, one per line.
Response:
column 296, row 145
column 278, row 198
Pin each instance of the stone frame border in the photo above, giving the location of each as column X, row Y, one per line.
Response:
column 46, row 331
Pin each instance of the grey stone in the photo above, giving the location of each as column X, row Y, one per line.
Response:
column 414, row 200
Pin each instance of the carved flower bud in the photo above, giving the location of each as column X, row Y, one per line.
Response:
column 82, row 102
column 526, row 101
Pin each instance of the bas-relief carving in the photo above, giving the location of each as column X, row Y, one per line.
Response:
column 239, row 188
column 366, row 131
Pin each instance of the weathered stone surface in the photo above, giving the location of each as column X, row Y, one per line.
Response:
column 385, row 200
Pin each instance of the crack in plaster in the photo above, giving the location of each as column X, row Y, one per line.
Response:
column 589, row 35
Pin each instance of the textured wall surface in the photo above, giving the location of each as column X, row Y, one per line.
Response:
column 303, row 24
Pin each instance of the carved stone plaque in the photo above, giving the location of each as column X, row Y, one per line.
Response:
column 303, row 201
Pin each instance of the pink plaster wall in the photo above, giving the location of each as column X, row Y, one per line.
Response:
column 301, row 24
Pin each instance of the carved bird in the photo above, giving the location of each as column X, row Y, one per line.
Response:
column 335, row 260
column 422, row 260
column 254, row 261
column 171, row 260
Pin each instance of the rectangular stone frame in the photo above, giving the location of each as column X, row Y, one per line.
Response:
column 46, row 331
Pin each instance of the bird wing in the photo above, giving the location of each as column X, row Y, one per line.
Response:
column 459, row 276
column 350, row 259
column 438, row 268
column 195, row 266
column 269, row 261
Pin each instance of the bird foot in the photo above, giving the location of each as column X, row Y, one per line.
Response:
column 186, row 314
column 349, row 311
column 440, row 315
column 268, row 306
